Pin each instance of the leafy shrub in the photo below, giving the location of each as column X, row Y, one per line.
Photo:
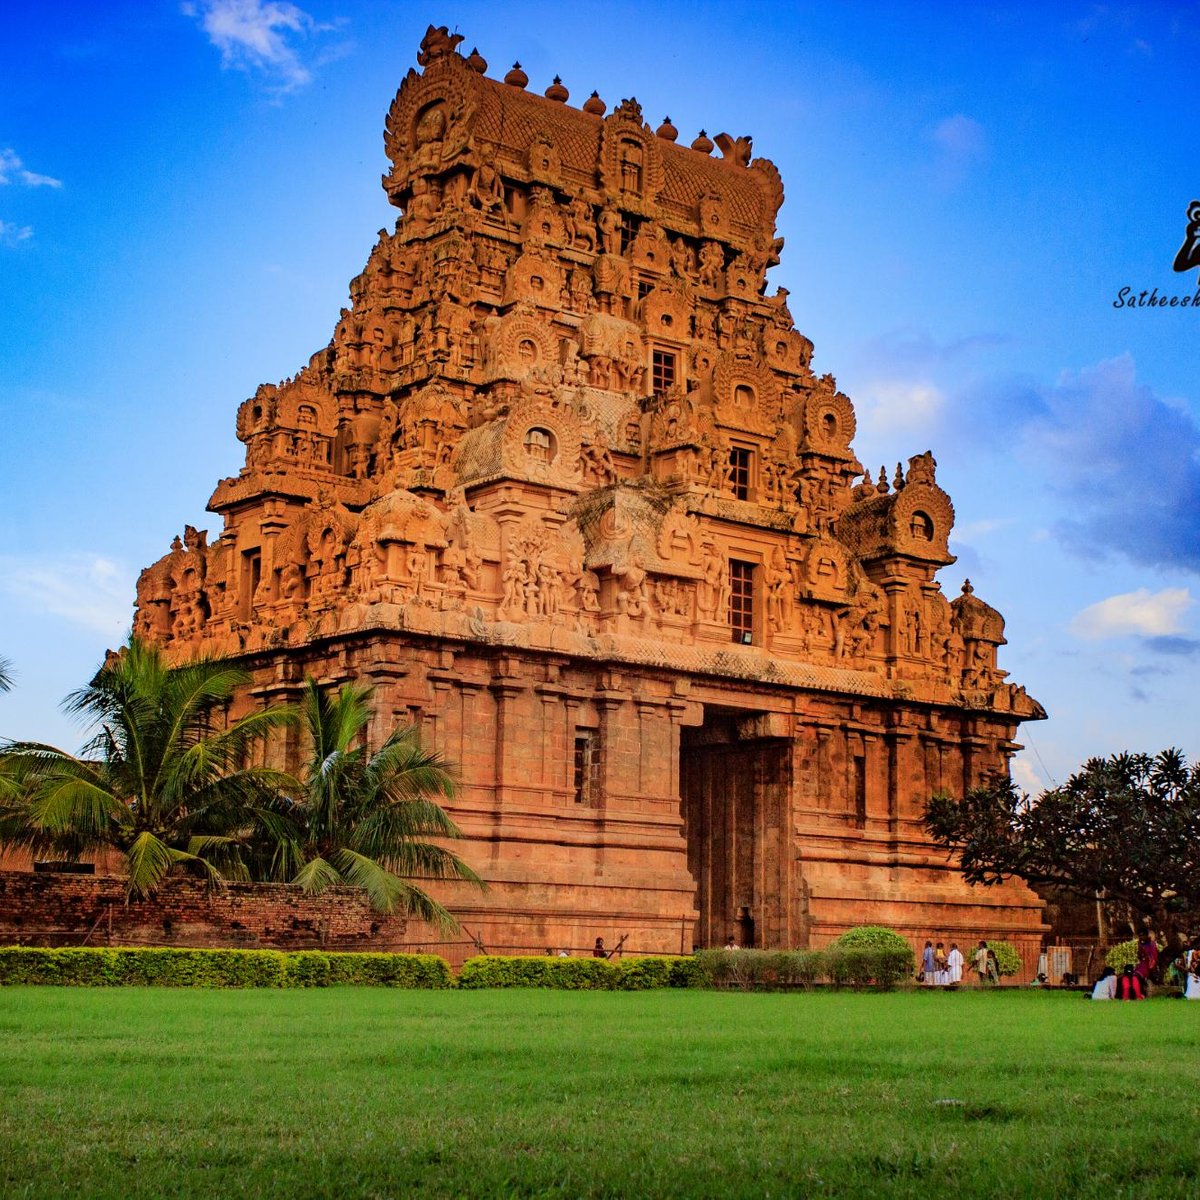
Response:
column 716, row 967
column 571, row 974
column 870, row 955
column 134, row 967
column 307, row 968
column 390, row 970
column 872, row 937
column 641, row 974
column 1008, row 961
column 802, row 968
column 879, row 967
column 1123, row 954
column 759, row 969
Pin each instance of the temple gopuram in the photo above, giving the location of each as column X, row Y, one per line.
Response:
column 564, row 489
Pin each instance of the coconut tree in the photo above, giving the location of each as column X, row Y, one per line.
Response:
column 364, row 817
column 6, row 675
column 162, row 779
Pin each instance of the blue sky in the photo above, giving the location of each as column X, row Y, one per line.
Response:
column 186, row 191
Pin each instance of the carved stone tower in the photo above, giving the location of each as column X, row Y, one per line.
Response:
column 565, row 490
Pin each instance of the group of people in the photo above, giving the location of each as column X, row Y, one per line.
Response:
column 944, row 968
column 1132, row 983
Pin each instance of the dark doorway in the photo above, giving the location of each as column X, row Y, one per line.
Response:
column 735, row 785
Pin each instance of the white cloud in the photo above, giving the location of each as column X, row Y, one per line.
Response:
column 1151, row 614
column 12, row 235
column 960, row 142
column 84, row 589
column 970, row 530
column 1025, row 777
column 899, row 407
column 255, row 35
column 12, row 170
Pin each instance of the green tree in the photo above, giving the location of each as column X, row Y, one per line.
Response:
column 1126, row 827
column 161, row 780
column 364, row 818
column 6, row 675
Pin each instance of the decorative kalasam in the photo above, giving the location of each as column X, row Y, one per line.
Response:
column 565, row 488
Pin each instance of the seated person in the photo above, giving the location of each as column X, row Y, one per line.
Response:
column 1106, row 985
column 1130, row 985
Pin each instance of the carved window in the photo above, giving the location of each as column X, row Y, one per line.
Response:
column 741, row 469
column 527, row 350
column 631, row 166
column 539, row 445
column 743, row 396
column 741, row 601
column 829, row 425
column 629, row 228
column 662, row 370
column 643, row 289
column 251, row 578
column 922, row 527
column 586, row 767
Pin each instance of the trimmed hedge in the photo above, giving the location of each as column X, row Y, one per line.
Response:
column 761, row 969
column 880, row 968
column 640, row 974
column 530, row 971
column 765, row 970
column 579, row 974
column 133, row 967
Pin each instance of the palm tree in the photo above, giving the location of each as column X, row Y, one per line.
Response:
column 6, row 675
column 363, row 818
column 160, row 780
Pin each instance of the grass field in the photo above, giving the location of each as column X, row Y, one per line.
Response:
column 373, row 1092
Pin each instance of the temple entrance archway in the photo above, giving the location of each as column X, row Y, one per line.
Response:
column 735, row 784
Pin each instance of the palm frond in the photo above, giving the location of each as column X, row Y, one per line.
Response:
column 66, row 805
column 315, row 876
column 223, row 852
column 388, row 893
column 149, row 861
column 385, row 891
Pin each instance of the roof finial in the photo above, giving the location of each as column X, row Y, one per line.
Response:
column 703, row 143
column 594, row 105
column 516, row 77
column 476, row 61
column 556, row 91
column 667, row 131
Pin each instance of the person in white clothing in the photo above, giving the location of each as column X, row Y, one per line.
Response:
column 1106, row 985
column 954, row 964
column 1191, row 987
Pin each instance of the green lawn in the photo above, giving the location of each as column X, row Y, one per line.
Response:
column 374, row 1092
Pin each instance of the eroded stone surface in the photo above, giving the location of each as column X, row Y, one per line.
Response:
column 565, row 488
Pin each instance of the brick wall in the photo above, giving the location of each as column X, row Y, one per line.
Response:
column 63, row 910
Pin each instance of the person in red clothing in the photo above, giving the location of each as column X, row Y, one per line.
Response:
column 1130, row 985
column 1147, row 957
